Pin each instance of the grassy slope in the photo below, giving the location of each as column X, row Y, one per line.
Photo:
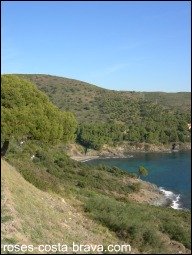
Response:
column 31, row 216
column 84, row 193
column 90, row 102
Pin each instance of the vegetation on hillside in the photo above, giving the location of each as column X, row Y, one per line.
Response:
column 142, row 171
column 27, row 113
column 84, row 98
column 179, row 100
column 141, row 225
column 111, row 116
column 30, row 216
column 104, row 195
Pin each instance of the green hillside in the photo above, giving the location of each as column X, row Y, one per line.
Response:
column 110, row 117
column 48, row 198
column 179, row 100
column 72, row 201
column 89, row 101
column 31, row 216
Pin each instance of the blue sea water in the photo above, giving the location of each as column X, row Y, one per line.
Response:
column 171, row 172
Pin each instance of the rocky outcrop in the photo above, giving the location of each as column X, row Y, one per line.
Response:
column 122, row 150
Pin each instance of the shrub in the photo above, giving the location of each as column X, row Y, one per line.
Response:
column 40, row 155
column 135, row 187
column 80, row 184
column 83, row 172
column 176, row 232
column 60, row 162
column 150, row 237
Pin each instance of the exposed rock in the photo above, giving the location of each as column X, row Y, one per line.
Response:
column 77, row 152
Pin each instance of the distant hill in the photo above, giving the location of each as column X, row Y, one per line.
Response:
column 179, row 100
column 92, row 103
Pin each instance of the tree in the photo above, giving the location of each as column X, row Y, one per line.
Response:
column 173, row 136
column 163, row 137
column 27, row 112
column 142, row 171
column 152, row 137
column 134, row 135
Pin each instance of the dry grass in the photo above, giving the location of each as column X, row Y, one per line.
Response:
column 38, row 217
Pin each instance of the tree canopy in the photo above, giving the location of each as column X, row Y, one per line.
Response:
column 27, row 112
column 142, row 171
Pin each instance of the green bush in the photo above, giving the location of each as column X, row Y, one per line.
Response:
column 60, row 162
column 176, row 232
column 80, row 184
column 139, row 224
column 40, row 155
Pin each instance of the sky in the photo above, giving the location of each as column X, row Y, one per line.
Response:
column 128, row 45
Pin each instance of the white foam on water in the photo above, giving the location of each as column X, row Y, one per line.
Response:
column 175, row 203
column 85, row 160
column 175, row 198
column 118, row 157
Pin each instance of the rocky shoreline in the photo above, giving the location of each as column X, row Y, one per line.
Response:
column 149, row 193
column 84, row 158
column 124, row 150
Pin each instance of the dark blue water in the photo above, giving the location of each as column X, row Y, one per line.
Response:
column 171, row 171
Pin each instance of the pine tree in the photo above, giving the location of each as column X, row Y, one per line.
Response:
column 27, row 112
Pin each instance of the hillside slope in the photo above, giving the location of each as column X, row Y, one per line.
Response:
column 108, row 117
column 31, row 216
column 53, row 199
column 91, row 103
